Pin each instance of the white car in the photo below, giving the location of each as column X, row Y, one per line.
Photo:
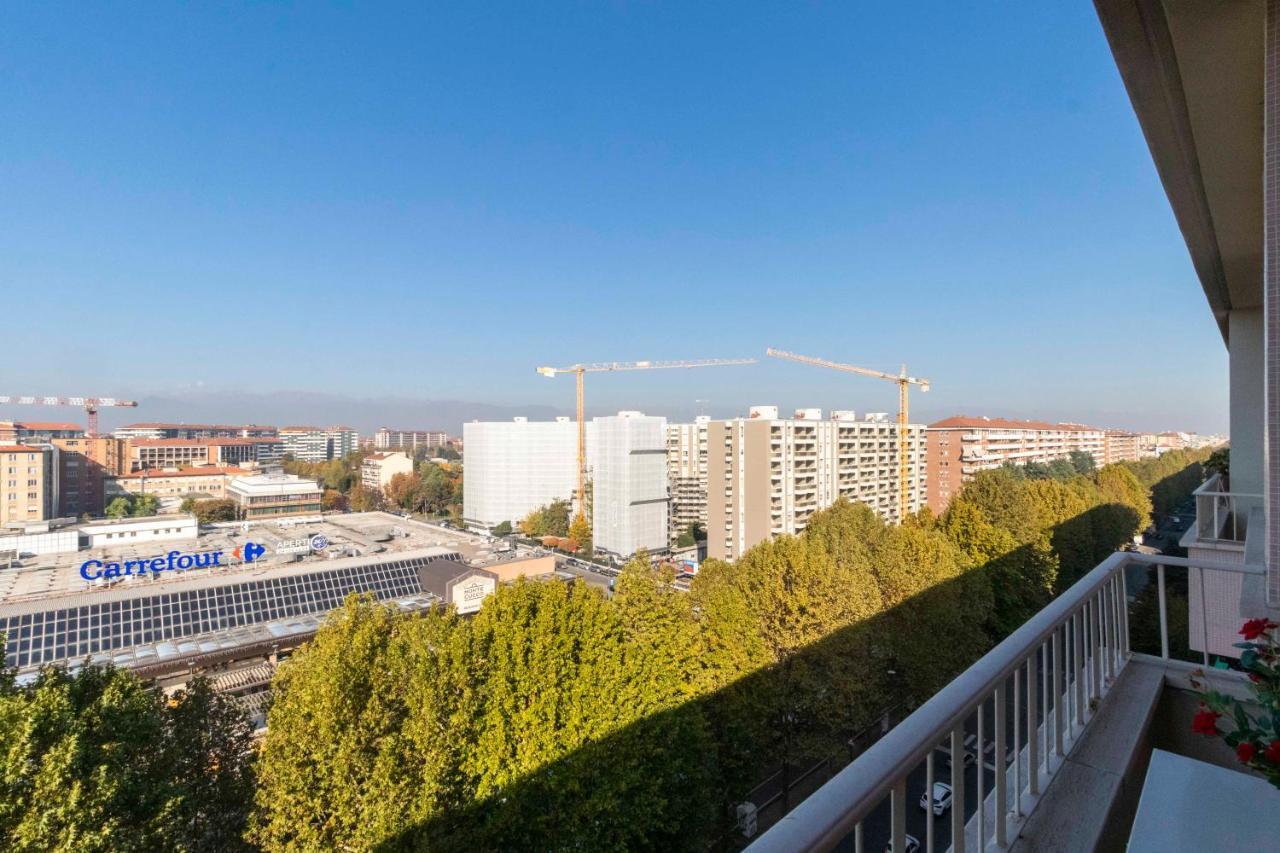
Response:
column 969, row 759
column 941, row 798
column 912, row 845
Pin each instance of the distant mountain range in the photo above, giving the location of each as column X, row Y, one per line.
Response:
column 283, row 408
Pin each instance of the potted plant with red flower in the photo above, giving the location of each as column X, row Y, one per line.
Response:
column 1255, row 735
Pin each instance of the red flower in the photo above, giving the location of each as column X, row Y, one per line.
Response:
column 1255, row 628
column 1272, row 752
column 1245, row 752
column 1206, row 723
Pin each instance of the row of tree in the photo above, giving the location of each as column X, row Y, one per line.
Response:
column 133, row 506
column 530, row 724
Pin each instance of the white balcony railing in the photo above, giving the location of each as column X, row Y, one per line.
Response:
column 1043, row 685
column 1221, row 514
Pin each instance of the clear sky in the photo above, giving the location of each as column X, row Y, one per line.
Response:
column 430, row 200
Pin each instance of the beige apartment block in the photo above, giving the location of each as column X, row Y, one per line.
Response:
column 28, row 483
column 377, row 469
column 767, row 475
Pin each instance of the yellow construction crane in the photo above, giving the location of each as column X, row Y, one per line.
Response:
column 904, row 382
column 580, row 370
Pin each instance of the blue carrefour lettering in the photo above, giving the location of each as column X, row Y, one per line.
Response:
column 93, row 570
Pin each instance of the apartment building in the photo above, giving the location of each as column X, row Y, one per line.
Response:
column 962, row 446
column 1120, row 446
column 28, row 483
column 84, row 467
column 377, row 469
column 319, row 444
column 767, row 475
column 192, row 431
column 687, row 475
column 405, row 439
column 629, row 484
column 513, row 467
column 150, row 453
column 274, row 495
column 26, row 432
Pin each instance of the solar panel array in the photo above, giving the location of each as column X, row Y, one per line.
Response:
column 69, row 634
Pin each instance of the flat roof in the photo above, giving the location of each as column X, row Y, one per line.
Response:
column 49, row 579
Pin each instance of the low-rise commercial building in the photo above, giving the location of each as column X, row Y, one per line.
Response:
column 629, row 484
column 377, row 469
column 274, row 494
column 768, row 475
column 319, row 444
column 962, row 446
column 172, row 486
column 138, row 532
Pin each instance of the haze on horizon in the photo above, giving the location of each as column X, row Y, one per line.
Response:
column 424, row 203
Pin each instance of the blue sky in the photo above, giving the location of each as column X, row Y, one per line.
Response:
column 431, row 200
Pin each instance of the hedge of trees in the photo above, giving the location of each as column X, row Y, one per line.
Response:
column 557, row 717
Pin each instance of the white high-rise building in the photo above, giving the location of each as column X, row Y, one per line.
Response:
column 629, row 482
column 687, row 474
column 319, row 444
column 513, row 467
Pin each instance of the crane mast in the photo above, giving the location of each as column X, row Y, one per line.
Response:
column 89, row 404
column 904, row 382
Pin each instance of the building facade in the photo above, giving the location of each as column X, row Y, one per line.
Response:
column 274, row 495
column 377, row 469
column 152, row 453
column 514, row 467
column 766, row 475
column 84, row 467
column 1120, row 446
column 28, row 483
column 20, row 432
column 168, row 430
column 629, row 484
column 405, row 439
column 171, row 487
column 319, row 444
column 687, row 475
column 960, row 447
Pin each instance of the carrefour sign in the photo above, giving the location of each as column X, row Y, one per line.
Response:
column 174, row 561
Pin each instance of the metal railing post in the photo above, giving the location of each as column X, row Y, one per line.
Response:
column 1002, row 795
column 928, row 786
column 1033, row 728
column 957, row 789
column 1057, row 695
column 898, row 813
column 982, row 752
column 1017, row 741
column 1164, row 612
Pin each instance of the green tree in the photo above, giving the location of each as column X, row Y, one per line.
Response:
column 580, row 536
column 214, row 510
column 145, row 506
column 98, row 761
column 119, row 508
column 1082, row 462
column 503, row 528
column 334, row 501
column 549, row 520
column 364, row 499
column 405, row 491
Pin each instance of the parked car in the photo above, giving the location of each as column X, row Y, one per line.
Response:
column 968, row 759
column 941, row 798
column 912, row 845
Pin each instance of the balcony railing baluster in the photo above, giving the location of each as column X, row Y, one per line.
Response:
column 1033, row 723
column 957, row 787
column 928, row 786
column 1002, row 795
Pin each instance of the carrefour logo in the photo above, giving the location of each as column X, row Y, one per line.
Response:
column 174, row 561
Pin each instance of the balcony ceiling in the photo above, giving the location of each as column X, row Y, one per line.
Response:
column 1193, row 70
